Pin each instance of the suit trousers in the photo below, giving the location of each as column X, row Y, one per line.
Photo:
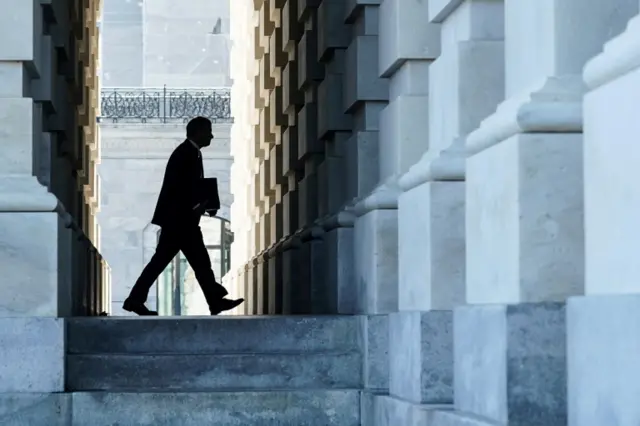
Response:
column 190, row 241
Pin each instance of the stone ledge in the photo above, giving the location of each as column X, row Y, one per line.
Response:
column 510, row 363
column 35, row 409
column 384, row 410
column 32, row 358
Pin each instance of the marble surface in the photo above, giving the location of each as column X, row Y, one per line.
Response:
column 603, row 340
column 431, row 246
column 33, row 355
column 374, row 341
column 29, row 263
column 376, row 261
column 421, row 356
column 524, row 220
column 510, row 363
column 339, row 268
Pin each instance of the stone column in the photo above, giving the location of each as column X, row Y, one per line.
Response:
column 524, row 215
column 375, row 229
column 38, row 238
column 334, row 131
column 603, row 372
column 434, row 102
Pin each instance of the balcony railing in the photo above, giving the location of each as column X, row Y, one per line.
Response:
column 164, row 105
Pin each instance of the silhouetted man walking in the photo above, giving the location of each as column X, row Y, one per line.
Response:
column 178, row 211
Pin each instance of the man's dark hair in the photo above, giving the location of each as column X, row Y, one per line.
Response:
column 197, row 125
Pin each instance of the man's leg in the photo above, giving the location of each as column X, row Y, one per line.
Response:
column 168, row 247
column 195, row 251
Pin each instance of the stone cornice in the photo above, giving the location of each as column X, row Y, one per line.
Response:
column 383, row 197
column 554, row 106
column 620, row 56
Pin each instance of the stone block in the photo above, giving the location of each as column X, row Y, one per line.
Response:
column 289, row 212
column 196, row 336
column 421, row 356
column 353, row 9
column 308, row 141
column 612, row 200
column 361, row 79
column 290, row 162
column 310, row 408
column 455, row 418
column 32, row 266
column 330, row 118
column 339, row 270
column 306, row 8
column 17, row 136
column 308, row 199
column 312, row 277
column 376, row 261
column 603, row 340
column 405, row 34
column 237, row 372
column 510, row 363
column 524, row 226
column 384, row 410
column 362, row 163
column 431, row 244
column 33, row 355
column 375, row 352
column 309, row 69
column 35, row 409
column 404, row 134
column 295, row 299
column 20, row 31
column 332, row 31
column 291, row 95
column 409, row 79
column 291, row 28
column 278, row 118
column 275, row 284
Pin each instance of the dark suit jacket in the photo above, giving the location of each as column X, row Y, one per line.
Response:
column 179, row 193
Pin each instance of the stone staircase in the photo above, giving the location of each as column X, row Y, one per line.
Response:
column 223, row 371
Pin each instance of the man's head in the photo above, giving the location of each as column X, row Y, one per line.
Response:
column 199, row 131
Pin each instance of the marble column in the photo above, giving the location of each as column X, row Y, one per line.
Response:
column 375, row 228
column 524, row 215
column 603, row 335
column 454, row 85
column 39, row 238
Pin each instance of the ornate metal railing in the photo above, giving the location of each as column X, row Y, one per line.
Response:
column 164, row 105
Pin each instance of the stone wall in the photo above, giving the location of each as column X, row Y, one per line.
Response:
column 443, row 170
column 49, row 261
column 134, row 157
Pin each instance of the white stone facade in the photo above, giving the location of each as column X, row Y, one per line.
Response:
column 456, row 170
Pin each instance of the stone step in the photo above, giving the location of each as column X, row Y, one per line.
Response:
column 119, row 372
column 275, row 408
column 212, row 335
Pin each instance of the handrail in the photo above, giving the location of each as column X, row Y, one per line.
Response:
column 164, row 105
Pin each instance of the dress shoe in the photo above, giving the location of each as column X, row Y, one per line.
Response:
column 138, row 308
column 225, row 305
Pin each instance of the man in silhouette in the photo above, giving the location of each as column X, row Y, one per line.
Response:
column 178, row 210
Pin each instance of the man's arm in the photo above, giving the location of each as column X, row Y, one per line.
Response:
column 185, row 176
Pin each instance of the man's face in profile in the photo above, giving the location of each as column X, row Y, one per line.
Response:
column 205, row 137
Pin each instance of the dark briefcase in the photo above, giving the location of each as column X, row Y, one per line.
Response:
column 208, row 193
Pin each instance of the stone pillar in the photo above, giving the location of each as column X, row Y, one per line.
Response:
column 47, row 161
column 524, row 216
column 602, row 326
column 375, row 228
